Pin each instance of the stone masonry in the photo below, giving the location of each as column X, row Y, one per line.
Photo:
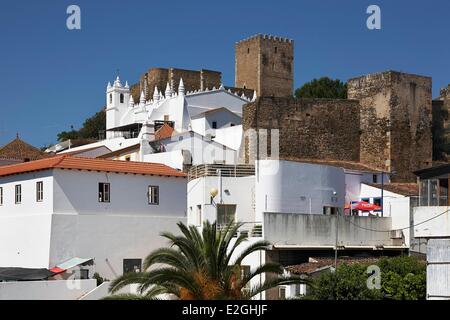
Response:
column 395, row 122
column 308, row 128
column 265, row 64
column 193, row 80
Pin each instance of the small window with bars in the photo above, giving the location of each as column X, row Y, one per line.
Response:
column 39, row 191
column 153, row 195
column 18, row 194
column 104, row 192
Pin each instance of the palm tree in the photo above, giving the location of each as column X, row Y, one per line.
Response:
column 198, row 266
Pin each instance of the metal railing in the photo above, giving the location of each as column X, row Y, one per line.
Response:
column 208, row 170
column 249, row 229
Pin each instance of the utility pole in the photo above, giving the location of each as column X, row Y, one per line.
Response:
column 382, row 193
column 337, row 233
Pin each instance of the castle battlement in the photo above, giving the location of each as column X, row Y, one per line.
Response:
column 266, row 37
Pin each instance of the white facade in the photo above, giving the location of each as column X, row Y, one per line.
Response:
column 189, row 148
column 71, row 222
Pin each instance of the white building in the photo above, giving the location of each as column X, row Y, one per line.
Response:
column 59, row 208
column 210, row 119
column 294, row 206
column 432, row 224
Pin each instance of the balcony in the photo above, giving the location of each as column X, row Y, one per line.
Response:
column 249, row 229
column 319, row 231
column 211, row 170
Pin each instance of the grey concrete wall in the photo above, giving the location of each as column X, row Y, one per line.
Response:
column 320, row 230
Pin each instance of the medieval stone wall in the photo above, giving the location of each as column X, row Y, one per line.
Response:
column 192, row 79
column 395, row 121
column 308, row 128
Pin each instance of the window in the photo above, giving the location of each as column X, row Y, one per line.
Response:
column 110, row 98
column 153, row 195
column 128, row 158
column 82, row 274
column 132, row 265
column 166, row 117
column 104, row 192
column 214, row 124
column 329, row 211
column 198, row 216
column 377, row 202
column 374, row 178
column 226, row 213
column 121, row 98
column 248, row 50
column 18, row 194
column 1, row 196
column 276, row 49
column 39, row 191
column 282, row 292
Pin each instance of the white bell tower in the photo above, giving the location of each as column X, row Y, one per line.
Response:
column 117, row 103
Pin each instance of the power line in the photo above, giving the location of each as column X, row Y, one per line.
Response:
column 414, row 225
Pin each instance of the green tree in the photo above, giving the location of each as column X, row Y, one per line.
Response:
column 347, row 283
column 199, row 266
column 402, row 278
column 323, row 88
column 90, row 129
column 93, row 125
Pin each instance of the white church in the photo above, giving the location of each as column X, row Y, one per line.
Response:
column 175, row 128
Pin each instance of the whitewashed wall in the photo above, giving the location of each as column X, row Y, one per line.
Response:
column 77, row 192
column 294, row 187
column 108, row 238
column 241, row 192
column 25, row 227
column 46, row 290
column 202, row 151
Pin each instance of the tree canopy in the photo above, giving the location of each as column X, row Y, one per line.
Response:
column 323, row 88
column 402, row 278
column 90, row 129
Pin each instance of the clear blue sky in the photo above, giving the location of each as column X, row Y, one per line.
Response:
column 52, row 78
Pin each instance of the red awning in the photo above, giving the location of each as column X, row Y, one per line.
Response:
column 365, row 206
column 57, row 270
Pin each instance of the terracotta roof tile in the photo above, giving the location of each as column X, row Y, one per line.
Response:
column 20, row 150
column 318, row 263
column 165, row 131
column 70, row 162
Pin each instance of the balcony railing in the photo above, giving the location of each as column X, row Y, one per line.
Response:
column 211, row 170
column 250, row 229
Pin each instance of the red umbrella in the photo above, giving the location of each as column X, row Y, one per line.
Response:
column 365, row 206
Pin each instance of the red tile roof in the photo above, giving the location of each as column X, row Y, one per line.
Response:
column 318, row 263
column 165, row 131
column 70, row 162
column 20, row 150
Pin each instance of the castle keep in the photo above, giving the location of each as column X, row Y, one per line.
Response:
column 385, row 124
column 265, row 64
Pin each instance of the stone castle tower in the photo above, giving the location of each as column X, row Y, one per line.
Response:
column 395, row 121
column 265, row 64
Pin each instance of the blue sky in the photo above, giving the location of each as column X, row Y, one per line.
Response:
column 52, row 78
